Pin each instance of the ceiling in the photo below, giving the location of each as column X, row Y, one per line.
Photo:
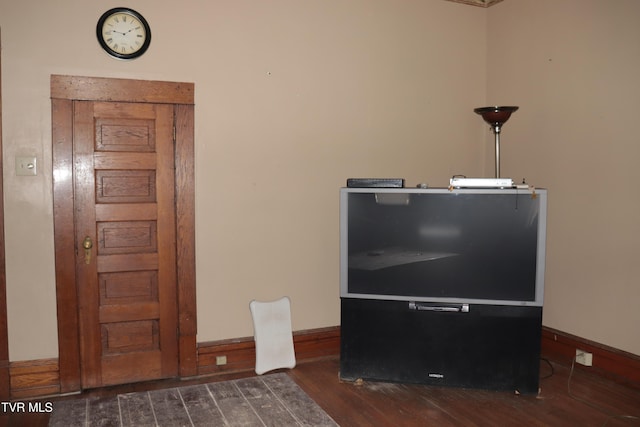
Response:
column 481, row 3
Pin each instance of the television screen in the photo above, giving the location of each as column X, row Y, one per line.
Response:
column 440, row 245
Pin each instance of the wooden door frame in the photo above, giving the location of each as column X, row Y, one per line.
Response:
column 65, row 90
column 4, row 333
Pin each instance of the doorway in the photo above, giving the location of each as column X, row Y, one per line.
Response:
column 124, row 230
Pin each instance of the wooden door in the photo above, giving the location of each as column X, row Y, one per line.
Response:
column 123, row 215
column 124, row 211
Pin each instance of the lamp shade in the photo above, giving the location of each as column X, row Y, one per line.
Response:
column 495, row 116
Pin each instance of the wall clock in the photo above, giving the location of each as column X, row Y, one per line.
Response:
column 123, row 33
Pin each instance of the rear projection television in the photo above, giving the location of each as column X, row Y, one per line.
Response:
column 470, row 246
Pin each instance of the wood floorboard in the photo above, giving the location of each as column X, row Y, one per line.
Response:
column 300, row 405
column 104, row 411
column 265, row 404
column 203, row 410
column 167, row 406
column 382, row 404
column 135, row 410
column 594, row 400
column 231, row 402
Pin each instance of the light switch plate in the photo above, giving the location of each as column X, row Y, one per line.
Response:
column 26, row 166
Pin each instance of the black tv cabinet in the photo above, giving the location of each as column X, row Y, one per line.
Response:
column 443, row 286
column 489, row 346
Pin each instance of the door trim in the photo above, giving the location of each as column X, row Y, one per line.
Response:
column 4, row 333
column 65, row 90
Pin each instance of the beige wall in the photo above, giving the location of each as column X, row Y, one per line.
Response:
column 573, row 67
column 294, row 97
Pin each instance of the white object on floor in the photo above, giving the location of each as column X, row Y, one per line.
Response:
column 273, row 335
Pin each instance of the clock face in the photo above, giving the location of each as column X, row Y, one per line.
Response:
column 123, row 33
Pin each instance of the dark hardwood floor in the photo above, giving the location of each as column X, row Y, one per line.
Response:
column 592, row 402
column 578, row 398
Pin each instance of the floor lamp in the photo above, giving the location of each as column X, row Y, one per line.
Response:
column 496, row 117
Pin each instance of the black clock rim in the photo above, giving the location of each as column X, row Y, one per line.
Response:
column 139, row 17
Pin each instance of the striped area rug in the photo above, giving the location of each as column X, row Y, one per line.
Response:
column 268, row 400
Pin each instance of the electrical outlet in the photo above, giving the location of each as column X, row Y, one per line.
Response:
column 584, row 358
column 221, row 360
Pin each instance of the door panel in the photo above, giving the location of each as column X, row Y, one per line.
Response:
column 124, row 203
column 122, row 186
